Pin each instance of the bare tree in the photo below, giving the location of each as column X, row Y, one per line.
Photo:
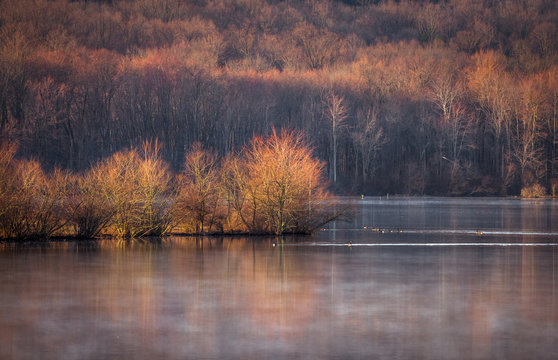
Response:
column 317, row 45
column 199, row 190
column 368, row 138
column 492, row 86
column 287, row 184
column 446, row 93
column 528, row 149
column 336, row 113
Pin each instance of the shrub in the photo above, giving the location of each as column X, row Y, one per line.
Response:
column 277, row 186
column 156, row 193
column 92, row 206
column 554, row 186
column 237, row 195
column 139, row 190
column 33, row 203
column 533, row 191
column 7, row 152
column 198, row 203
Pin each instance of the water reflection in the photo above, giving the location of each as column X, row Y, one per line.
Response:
column 243, row 298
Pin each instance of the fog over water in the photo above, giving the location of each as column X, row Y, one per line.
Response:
column 423, row 278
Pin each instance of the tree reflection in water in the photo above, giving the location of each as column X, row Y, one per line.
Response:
column 195, row 297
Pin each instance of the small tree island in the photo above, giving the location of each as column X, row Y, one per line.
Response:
column 274, row 185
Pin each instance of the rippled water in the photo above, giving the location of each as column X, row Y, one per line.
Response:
column 431, row 288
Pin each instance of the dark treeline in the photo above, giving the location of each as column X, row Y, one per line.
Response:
column 455, row 97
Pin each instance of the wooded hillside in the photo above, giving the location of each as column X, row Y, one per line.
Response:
column 455, row 97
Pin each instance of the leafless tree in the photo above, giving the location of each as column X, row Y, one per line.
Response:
column 336, row 113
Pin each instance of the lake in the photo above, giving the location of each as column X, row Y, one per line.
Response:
column 423, row 278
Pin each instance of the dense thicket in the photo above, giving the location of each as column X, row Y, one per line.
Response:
column 273, row 186
column 440, row 97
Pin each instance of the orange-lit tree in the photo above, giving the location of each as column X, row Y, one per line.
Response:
column 283, row 186
column 198, row 199
column 32, row 202
column 93, row 208
column 234, row 190
column 7, row 152
column 156, row 192
column 140, row 192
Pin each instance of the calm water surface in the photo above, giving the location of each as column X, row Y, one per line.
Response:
column 431, row 288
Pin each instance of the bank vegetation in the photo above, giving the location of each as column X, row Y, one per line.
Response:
column 273, row 186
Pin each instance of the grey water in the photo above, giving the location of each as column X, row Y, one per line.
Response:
column 423, row 278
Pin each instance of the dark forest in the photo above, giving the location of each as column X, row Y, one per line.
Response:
column 455, row 97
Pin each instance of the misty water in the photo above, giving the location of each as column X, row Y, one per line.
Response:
column 423, row 278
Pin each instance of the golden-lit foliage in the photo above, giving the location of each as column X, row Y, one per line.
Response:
column 282, row 186
column 156, row 189
column 7, row 152
column 490, row 83
column 198, row 201
column 33, row 203
column 236, row 193
column 274, row 186
column 120, row 182
column 318, row 47
column 93, row 208
column 139, row 192
column 126, row 195
column 533, row 191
